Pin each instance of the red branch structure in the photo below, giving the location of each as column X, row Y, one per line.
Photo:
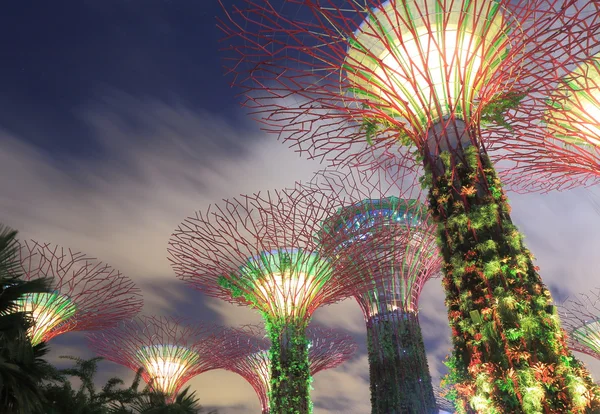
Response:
column 444, row 79
column 306, row 75
column 385, row 224
column 580, row 316
column 170, row 350
column 246, row 352
column 261, row 251
column 87, row 294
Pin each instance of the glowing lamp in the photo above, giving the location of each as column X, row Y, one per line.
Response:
column 166, row 365
column 574, row 115
column 48, row 311
column 286, row 280
column 423, row 63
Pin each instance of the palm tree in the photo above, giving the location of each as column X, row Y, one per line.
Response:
column 154, row 402
column 22, row 367
column 64, row 399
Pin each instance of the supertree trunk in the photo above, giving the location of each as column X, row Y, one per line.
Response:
column 290, row 369
column 398, row 370
column 508, row 343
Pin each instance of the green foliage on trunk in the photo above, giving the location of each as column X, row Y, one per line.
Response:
column 510, row 354
column 290, row 369
column 398, row 370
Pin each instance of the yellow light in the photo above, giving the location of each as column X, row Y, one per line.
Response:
column 424, row 58
column 286, row 291
column 166, row 365
column 48, row 310
column 574, row 115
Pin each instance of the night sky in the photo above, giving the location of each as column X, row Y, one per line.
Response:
column 116, row 122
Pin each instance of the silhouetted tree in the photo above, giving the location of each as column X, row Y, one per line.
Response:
column 22, row 367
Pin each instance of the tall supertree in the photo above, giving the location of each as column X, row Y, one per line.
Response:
column 429, row 74
column 581, row 318
column 170, row 350
column 246, row 352
column 87, row 294
column 260, row 251
column 384, row 224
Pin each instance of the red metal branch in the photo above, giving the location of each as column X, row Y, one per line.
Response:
column 89, row 294
column 170, row 350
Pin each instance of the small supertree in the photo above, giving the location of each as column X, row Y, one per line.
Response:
column 261, row 251
column 245, row 351
column 87, row 294
column 581, row 318
column 443, row 404
column 397, row 238
column 430, row 74
column 170, row 350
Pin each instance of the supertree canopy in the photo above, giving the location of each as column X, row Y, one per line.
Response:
column 171, row 351
column 261, row 251
column 581, row 319
column 568, row 136
column 429, row 74
column 87, row 294
column 246, row 352
column 396, row 236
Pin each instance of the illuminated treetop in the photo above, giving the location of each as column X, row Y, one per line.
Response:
column 246, row 352
column 395, row 236
column 87, row 294
column 568, row 136
column 324, row 74
column 260, row 250
column 170, row 350
column 581, row 318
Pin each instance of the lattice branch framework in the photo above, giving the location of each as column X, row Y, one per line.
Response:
column 170, row 350
column 394, row 236
column 87, row 294
column 325, row 74
column 260, row 250
column 580, row 316
column 245, row 352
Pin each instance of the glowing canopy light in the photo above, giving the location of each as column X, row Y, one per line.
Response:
column 285, row 281
column 166, row 365
column 422, row 60
column 574, row 116
column 369, row 213
column 589, row 336
column 48, row 310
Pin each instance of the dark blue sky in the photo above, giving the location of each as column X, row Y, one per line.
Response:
column 58, row 57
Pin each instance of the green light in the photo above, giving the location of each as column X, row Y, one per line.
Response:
column 285, row 281
column 414, row 59
column 575, row 113
column 48, row 310
column 166, row 365
column 589, row 335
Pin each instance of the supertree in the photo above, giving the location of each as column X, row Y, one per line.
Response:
column 443, row 404
column 557, row 143
column 384, row 224
column 261, row 251
column 325, row 74
column 581, row 318
column 246, row 352
column 170, row 350
column 86, row 293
